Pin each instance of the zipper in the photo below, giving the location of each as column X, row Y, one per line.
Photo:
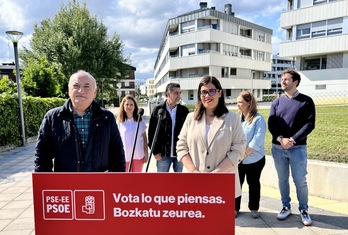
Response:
column 77, row 148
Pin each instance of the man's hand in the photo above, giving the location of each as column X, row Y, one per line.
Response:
column 286, row 143
column 158, row 156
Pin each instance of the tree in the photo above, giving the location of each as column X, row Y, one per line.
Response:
column 41, row 79
column 7, row 86
column 76, row 40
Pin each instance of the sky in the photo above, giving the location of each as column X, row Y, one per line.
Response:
column 140, row 23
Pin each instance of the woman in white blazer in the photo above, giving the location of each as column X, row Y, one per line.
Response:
column 212, row 138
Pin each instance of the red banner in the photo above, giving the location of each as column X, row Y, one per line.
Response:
column 133, row 203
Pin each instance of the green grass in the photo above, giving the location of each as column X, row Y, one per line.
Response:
column 329, row 139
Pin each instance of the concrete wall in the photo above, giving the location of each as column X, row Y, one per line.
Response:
column 325, row 179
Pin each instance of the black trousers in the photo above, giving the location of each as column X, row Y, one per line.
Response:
column 252, row 173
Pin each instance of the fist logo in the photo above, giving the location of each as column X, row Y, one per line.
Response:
column 89, row 207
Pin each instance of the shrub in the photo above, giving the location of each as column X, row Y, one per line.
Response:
column 34, row 109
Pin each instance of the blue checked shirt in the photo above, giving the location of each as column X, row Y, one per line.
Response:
column 82, row 124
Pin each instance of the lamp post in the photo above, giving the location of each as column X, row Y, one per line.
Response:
column 14, row 36
column 119, row 85
column 101, row 91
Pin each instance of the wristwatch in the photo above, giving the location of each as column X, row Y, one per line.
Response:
column 279, row 138
column 292, row 140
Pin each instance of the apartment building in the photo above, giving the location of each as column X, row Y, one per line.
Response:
column 6, row 71
column 279, row 64
column 317, row 39
column 150, row 87
column 126, row 86
column 210, row 42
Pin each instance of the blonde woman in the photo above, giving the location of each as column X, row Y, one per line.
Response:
column 254, row 127
column 127, row 118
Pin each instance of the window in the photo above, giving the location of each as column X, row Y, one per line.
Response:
column 230, row 50
column 190, row 95
column 260, row 36
column 188, row 50
column 312, row 64
column 233, row 71
column 334, row 26
column 319, row 29
column 245, row 52
column 322, row 1
column 323, row 63
column 304, row 3
column 245, row 33
column 303, row 31
column 290, row 5
column 192, row 72
column 188, row 26
column 318, row 1
column 229, row 27
column 320, row 87
column 259, row 55
column 224, row 72
column 315, row 63
column 228, row 92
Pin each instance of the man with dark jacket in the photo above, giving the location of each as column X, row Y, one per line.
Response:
column 175, row 114
column 80, row 135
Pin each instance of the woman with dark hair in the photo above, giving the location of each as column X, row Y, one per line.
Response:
column 254, row 127
column 212, row 138
column 127, row 118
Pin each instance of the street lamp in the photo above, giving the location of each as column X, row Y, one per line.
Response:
column 101, row 92
column 119, row 85
column 14, row 36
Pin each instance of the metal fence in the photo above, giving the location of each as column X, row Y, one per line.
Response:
column 329, row 140
column 330, row 98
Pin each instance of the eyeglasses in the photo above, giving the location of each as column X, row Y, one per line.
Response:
column 210, row 92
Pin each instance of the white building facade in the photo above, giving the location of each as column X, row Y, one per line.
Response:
column 279, row 64
column 209, row 42
column 150, row 87
column 317, row 39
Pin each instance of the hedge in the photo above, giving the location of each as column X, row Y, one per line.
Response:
column 34, row 109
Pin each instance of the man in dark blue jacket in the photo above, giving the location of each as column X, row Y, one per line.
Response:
column 80, row 135
column 175, row 114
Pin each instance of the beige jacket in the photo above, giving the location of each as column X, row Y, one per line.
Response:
column 226, row 138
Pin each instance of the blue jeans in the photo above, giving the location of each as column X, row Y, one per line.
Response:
column 295, row 159
column 163, row 165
